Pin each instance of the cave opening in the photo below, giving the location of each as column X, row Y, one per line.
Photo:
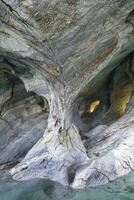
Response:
column 23, row 118
column 106, row 104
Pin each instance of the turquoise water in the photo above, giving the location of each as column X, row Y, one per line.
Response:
column 121, row 189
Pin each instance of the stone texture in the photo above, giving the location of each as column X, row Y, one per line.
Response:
column 70, row 53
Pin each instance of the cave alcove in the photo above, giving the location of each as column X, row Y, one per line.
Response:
column 23, row 118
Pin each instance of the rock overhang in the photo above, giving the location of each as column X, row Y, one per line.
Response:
column 73, row 61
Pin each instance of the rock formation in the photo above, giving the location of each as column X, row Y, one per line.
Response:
column 56, row 58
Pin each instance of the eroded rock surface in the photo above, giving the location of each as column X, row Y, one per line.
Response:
column 60, row 57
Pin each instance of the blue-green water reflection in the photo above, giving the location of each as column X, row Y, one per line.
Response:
column 121, row 189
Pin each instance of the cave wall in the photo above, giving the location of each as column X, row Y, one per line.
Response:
column 66, row 55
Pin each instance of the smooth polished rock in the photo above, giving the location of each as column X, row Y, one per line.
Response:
column 66, row 52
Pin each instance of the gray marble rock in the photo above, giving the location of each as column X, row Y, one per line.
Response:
column 61, row 57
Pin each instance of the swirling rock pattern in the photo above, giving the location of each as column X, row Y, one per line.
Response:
column 59, row 57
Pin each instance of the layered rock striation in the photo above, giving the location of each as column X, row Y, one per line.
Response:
column 57, row 58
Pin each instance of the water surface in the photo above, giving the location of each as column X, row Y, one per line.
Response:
column 121, row 189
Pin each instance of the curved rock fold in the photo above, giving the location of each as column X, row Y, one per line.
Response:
column 66, row 92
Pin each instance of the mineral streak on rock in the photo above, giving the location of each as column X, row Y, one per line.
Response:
column 57, row 58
